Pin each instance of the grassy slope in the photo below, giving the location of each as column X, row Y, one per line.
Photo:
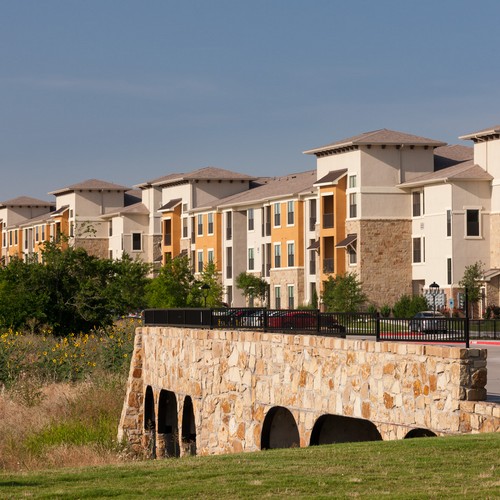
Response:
column 464, row 466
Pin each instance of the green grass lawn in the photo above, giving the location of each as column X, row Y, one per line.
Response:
column 463, row 466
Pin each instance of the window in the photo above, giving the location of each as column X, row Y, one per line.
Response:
column 43, row 233
column 312, row 215
column 4, row 239
column 472, row 222
column 277, row 255
column 26, row 239
column 10, row 238
column 448, row 271
column 184, row 208
column 290, row 213
column 251, row 262
column 71, row 229
column 210, row 256
column 328, row 204
column 136, row 242
column 352, row 254
column 448, row 222
column 37, row 234
column 277, row 297
column 200, row 225
column 290, row 297
column 352, row 181
column 277, row 215
column 250, row 219
column 229, row 226
column 185, row 227
column 417, row 250
column 210, row 223
column 15, row 237
column 200, row 261
column 353, row 208
column 229, row 262
column 291, row 254
column 416, row 204
column 110, row 230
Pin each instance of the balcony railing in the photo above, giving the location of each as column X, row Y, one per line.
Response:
column 327, row 220
column 328, row 266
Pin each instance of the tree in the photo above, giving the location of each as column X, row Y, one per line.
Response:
column 471, row 282
column 69, row 291
column 174, row 285
column 407, row 306
column 343, row 293
column 210, row 278
column 252, row 286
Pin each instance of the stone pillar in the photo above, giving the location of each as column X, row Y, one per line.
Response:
column 132, row 417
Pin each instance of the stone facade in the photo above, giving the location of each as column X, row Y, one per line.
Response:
column 235, row 378
column 384, row 259
column 98, row 247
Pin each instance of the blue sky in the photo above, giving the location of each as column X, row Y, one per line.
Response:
column 129, row 90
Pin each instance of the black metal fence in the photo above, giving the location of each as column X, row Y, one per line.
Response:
column 437, row 329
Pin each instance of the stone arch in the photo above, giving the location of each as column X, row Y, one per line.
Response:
column 330, row 429
column 188, row 427
column 168, row 427
column 419, row 433
column 149, row 422
column 279, row 429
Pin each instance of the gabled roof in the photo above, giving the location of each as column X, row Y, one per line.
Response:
column 25, row 201
column 170, row 205
column 331, row 177
column 447, row 156
column 206, row 173
column 60, row 210
column 91, row 185
column 378, row 137
column 466, row 171
column 175, row 177
column 482, row 134
column 34, row 220
column 279, row 187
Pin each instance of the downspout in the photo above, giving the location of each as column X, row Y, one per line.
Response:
column 401, row 171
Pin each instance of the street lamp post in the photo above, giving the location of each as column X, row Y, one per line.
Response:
column 205, row 288
column 434, row 289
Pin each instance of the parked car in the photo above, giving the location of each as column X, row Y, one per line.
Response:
column 304, row 320
column 428, row 322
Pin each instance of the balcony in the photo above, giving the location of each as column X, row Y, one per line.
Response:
column 328, row 266
column 328, row 220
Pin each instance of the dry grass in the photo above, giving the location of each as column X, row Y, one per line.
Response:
column 31, row 413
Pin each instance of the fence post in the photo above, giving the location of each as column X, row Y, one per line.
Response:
column 318, row 321
column 377, row 328
column 467, row 320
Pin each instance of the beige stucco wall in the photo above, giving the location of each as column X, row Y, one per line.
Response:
column 235, row 377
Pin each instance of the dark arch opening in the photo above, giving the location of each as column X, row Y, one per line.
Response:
column 168, row 427
column 420, row 433
column 330, row 429
column 279, row 430
column 188, row 427
column 149, row 422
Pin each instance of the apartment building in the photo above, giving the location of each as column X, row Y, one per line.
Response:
column 18, row 237
column 400, row 210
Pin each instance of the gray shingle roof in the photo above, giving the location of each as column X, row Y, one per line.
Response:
column 91, row 185
column 279, row 187
column 463, row 171
column 495, row 130
column 25, row 201
column 379, row 137
column 447, row 156
column 135, row 209
column 332, row 176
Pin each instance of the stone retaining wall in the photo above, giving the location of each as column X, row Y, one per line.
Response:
column 235, row 377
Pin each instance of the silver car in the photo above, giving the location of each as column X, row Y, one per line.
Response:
column 428, row 322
